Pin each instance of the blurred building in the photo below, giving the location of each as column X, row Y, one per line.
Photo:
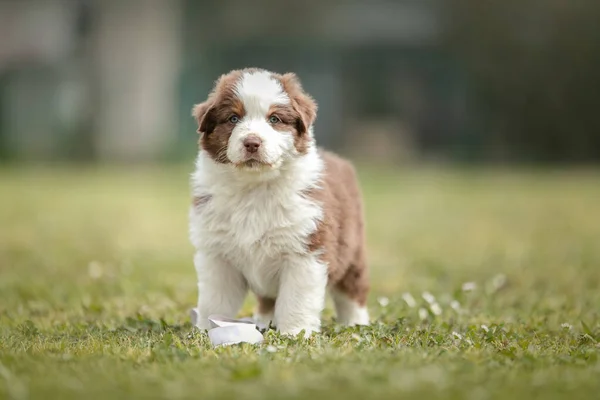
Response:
column 89, row 78
column 116, row 80
column 375, row 67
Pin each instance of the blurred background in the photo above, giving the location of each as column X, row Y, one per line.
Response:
column 403, row 80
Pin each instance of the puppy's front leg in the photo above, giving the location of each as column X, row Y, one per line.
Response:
column 301, row 296
column 221, row 288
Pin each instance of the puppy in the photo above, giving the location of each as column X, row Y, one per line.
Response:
column 272, row 213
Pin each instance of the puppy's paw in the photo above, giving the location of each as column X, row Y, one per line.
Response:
column 199, row 322
column 294, row 332
column 264, row 322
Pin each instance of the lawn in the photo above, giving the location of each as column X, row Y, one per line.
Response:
column 486, row 285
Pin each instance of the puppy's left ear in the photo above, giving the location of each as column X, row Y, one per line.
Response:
column 200, row 113
column 305, row 106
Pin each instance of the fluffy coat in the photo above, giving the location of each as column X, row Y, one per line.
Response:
column 272, row 213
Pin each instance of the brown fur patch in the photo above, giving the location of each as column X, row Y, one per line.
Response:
column 290, row 122
column 341, row 234
column 266, row 305
column 213, row 116
column 303, row 109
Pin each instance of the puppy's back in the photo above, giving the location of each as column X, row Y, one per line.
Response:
column 341, row 234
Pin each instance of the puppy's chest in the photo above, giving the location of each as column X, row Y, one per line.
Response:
column 256, row 231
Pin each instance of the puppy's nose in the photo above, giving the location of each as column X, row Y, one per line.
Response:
column 252, row 143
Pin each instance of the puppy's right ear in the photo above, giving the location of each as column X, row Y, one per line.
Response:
column 203, row 113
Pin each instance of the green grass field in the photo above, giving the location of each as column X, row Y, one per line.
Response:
column 96, row 280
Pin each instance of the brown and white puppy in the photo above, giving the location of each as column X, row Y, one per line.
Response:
column 271, row 213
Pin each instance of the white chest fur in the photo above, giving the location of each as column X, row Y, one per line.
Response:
column 254, row 223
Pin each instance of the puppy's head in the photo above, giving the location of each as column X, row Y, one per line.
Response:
column 256, row 119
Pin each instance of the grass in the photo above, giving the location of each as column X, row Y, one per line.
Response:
column 96, row 281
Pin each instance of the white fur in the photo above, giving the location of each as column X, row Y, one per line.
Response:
column 258, row 91
column 221, row 290
column 349, row 312
column 253, row 233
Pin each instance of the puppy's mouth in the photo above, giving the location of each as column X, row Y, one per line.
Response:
column 253, row 164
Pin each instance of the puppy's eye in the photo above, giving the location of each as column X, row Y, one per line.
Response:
column 234, row 119
column 274, row 119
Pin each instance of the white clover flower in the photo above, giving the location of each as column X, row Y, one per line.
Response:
column 455, row 305
column 435, row 309
column 410, row 301
column 383, row 301
column 566, row 325
column 428, row 297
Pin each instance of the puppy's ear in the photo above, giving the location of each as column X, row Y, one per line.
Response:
column 303, row 104
column 203, row 113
